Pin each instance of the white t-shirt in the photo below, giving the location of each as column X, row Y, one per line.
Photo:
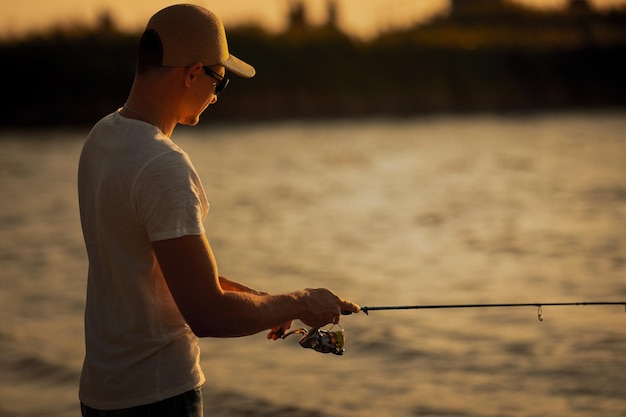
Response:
column 135, row 186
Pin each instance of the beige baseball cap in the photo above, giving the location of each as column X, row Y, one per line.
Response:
column 188, row 33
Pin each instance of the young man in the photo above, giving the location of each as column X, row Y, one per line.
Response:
column 153, row 285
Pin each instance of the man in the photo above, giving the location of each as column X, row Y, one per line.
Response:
column 153, row 285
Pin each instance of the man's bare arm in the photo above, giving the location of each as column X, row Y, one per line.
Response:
column 191, row 274
column 228, row 284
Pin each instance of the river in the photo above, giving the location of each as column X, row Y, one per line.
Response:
column 429, row 210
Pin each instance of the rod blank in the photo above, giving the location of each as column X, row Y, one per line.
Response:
column 366, row 309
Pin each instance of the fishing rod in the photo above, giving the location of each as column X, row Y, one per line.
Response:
column 366, row 309
column 332, row 341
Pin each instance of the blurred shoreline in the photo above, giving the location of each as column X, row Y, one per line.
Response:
column 485, row 56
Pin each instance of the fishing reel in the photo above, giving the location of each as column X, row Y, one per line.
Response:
column 321, row 340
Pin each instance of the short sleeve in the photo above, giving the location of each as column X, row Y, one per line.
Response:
column 168, row 197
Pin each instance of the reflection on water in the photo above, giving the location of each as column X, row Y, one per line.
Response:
column 420, row 211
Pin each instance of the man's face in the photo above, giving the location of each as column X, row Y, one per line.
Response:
column 203, row 93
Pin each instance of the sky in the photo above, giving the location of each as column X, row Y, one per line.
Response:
column 362, row 18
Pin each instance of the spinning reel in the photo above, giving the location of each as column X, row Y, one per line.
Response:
column 321, row 340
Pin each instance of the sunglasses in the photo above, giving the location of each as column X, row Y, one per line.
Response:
column 222, row 82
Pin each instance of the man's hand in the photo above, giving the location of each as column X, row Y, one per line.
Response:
column 324, row 307
column 277, row 332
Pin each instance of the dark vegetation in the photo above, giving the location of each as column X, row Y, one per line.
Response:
column 486, row 55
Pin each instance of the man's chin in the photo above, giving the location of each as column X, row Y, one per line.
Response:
column 192, row 121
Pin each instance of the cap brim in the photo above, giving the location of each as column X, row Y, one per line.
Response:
column 238, row 67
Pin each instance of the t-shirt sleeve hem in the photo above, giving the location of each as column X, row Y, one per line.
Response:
column 173, row 234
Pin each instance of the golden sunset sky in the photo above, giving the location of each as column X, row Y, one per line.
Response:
column 358, row 17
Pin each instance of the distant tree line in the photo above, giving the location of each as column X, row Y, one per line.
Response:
column 458, row 63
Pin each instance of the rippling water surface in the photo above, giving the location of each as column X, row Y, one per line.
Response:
column 441, row 210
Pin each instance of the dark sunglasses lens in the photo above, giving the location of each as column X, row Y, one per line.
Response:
column 221, row 85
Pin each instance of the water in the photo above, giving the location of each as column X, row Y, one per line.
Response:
column 441, row 210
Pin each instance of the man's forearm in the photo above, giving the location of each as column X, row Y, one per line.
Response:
column 230, row 285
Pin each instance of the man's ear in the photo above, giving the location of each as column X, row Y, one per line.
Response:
column 192, row 72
